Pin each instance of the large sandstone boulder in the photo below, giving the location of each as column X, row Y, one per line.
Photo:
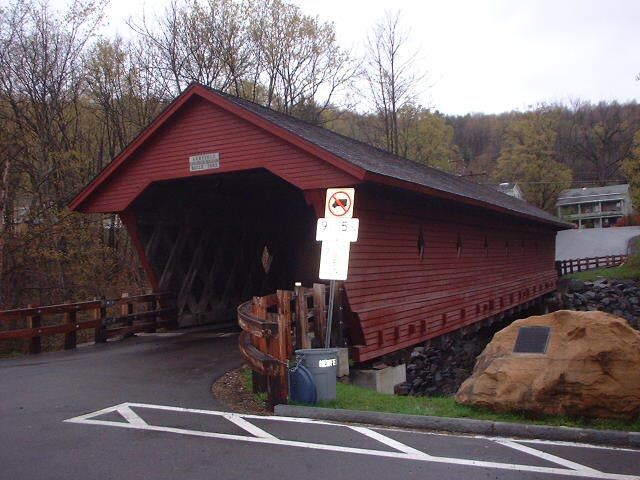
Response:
column 591, row 368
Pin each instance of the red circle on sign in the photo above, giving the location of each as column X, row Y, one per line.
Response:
column 337, row 205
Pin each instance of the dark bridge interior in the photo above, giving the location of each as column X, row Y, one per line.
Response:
column 218, row 240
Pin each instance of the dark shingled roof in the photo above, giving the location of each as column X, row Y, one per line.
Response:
column 384, row 163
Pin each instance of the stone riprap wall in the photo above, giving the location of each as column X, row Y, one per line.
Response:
column 440, row 367
column 619, row 297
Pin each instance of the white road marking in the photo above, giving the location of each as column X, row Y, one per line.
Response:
column 419, row 456
column 574, row 444
column 249, row 427
column 387, row 441
column 547, row 456
column 131, row 416
column 518, row 440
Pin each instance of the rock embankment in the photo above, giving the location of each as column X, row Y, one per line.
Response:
column 619, row 297
column 440, row 367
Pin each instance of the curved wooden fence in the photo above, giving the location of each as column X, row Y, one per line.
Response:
column 265, row 342
column 271, row 326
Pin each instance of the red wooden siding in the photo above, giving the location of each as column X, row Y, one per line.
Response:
column 201, row 127
column 475, row 262
column 401, row 299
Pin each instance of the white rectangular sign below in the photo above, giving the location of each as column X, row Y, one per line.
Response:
column 334, row 260
column 329, row 229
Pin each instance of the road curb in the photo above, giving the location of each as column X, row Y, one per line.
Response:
column 465, row 425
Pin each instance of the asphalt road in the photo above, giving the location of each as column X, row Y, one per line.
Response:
column 594, row 242
column 142, row 408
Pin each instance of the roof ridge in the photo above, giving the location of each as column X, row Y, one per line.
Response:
column 235, row 98
column 382, row 162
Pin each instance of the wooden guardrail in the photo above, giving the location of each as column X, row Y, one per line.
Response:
column 265, row 342
column 272, row 327
column 565, row 267
column 33, row 323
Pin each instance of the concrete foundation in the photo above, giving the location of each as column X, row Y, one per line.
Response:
column 382, row 380
column 343, row 362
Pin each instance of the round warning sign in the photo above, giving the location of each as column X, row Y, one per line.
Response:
column 339, row 203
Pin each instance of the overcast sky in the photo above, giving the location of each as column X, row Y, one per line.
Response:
column 494, row 56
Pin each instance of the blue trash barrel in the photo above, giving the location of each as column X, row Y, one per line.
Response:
column 323, row 365
column 302, row 387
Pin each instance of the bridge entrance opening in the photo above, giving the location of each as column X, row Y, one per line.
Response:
column 218, row 240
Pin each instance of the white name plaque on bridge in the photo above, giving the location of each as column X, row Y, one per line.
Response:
column 205, row 161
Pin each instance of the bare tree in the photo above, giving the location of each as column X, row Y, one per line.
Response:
column 124, row 94
column 204, row 42
column 41, row 83
column 601, row 136
column 391, row 76
column 299, row 61
column 268, row 52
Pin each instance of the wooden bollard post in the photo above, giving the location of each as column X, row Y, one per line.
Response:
column 70, row 338
column 100, row 315
column 34, row 321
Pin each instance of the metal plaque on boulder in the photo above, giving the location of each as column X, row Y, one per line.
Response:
column 532, row 340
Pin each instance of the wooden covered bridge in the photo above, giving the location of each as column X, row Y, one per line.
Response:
column 221, row 196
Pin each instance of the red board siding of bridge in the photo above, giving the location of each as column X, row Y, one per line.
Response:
column 201, row 127
column 402, row 298
column 474, row 264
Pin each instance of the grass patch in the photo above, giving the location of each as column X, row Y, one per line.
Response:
column 11, row 354
column 248, row 384
column 629, row 271
column 357, row 398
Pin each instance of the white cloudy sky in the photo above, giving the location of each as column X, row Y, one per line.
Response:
column 494, row 55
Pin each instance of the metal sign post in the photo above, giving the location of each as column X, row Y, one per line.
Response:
column 336, row 232
column 332, row 296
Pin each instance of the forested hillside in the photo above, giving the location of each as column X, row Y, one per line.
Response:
column 71, row 97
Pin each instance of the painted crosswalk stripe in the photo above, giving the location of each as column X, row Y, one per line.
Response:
column 405, row 452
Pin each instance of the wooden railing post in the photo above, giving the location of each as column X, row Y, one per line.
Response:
column 70, row 338
column 280, row 348
column 34, row 321
column 154, row 304
column 302, row 319
column 320, row 311
column 127, row 309
column 284, row 324
column 100, row 314
column 259, row 381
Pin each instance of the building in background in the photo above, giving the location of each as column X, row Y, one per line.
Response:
column 594, row 207
column 511, row 188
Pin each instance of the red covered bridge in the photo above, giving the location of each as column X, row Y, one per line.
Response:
column 221, row 195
